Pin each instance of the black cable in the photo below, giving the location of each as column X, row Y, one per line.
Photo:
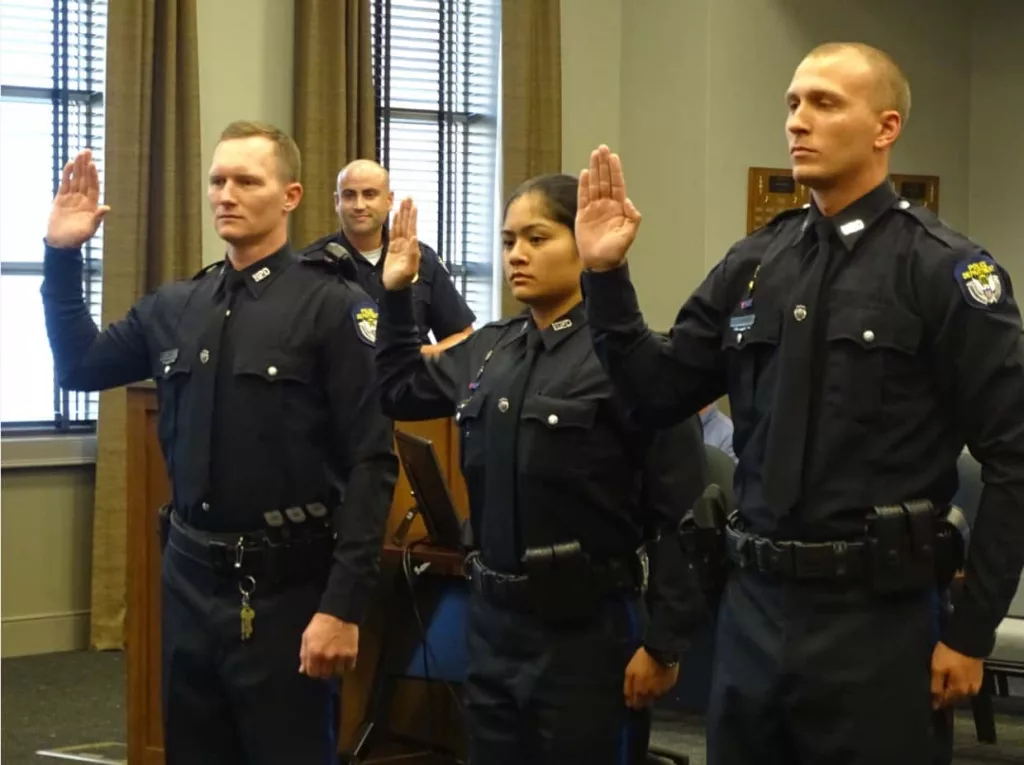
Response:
column 410, row 581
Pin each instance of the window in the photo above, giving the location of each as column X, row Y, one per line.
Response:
column 52, row 82
column 436, row 75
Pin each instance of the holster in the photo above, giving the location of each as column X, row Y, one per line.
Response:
column 910, row 547
column 560, row 584
column 702, row 537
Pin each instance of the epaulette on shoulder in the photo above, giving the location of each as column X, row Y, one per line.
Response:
column 785, row 215
column 207, row 269
column 342, row 267
column 934, row 225
column 319, row 244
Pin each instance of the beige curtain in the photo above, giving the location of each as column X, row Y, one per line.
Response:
column 531, row 61
column 153, row 184
column 333, row 107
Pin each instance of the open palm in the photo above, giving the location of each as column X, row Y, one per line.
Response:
column 76, row 213
column 402, row 261
column 606, row 220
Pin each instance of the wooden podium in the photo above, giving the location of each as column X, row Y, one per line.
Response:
column 147, row 489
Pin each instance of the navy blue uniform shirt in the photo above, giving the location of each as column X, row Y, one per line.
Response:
column 578, row 466
column 438, row 305
column 268, row 396
column 917, row 351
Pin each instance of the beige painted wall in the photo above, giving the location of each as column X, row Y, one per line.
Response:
column 245, row 72
column 996, row 156
column 45, row 543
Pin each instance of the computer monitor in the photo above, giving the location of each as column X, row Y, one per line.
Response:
column 430, row 491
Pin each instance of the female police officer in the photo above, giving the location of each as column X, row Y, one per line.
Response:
column 564, row 488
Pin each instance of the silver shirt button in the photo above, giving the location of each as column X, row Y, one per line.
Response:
column 800, row 313
column 204, row 356
column 869, row 336
column 503, row 405
column 272, row 371
column 552, row 419
column 167, row 369
column 206, row 507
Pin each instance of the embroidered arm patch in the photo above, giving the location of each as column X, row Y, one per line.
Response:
column 364, row 315
column 980, row 280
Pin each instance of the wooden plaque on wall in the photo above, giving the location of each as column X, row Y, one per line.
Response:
column 920, row 189
column 770, row 191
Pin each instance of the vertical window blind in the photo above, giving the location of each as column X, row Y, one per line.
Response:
column 435, row 65
column 52, row 84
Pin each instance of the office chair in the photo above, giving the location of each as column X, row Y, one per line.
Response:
column 720, row 469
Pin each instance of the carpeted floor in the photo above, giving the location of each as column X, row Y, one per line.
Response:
column 78, row 698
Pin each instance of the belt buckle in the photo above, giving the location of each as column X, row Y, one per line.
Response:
column 773, row 559
column 222, row 556
column 816, row 561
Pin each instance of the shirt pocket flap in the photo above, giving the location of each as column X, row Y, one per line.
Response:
column 275, row 367
column 874, row 328
column 560, row 412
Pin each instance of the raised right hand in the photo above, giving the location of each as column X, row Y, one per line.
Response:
column 76, row 213
column 402, row 261
column 606, row 220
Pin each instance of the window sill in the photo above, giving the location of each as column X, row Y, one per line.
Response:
column 20, row 452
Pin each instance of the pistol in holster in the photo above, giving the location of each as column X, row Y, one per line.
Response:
column 702, row 537
column 560, row 583
column 163, row 524
column 912, row 546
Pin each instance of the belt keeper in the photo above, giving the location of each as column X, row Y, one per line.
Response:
column 841, row 552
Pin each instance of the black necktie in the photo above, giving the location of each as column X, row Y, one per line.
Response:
column 787, row 432
column 500, row 529
column 194, row 472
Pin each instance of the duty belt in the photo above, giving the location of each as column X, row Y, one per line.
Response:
column 260, row 554
column 516, row 591
column 802, row 561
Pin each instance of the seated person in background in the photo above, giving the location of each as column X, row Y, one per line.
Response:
column 717, row 429
column 363, row 201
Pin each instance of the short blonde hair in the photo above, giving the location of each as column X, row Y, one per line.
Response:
column 289, row 160
column 893, row 88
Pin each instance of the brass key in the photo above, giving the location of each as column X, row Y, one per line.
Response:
column 248, row 614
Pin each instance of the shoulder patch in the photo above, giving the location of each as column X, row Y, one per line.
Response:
column 364, row 316
column 980, row 280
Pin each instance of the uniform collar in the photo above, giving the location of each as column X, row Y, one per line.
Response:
column 359, row 258
column 259, row 275
column 853, row 222
column 561, row 329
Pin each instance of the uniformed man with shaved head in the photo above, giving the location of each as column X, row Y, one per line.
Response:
column 363, row 200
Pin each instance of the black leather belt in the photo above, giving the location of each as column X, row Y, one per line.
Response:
column 253, row 553
column 513, row 591
column 799, row 561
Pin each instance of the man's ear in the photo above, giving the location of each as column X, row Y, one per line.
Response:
column 292, row 196
column 890, row 124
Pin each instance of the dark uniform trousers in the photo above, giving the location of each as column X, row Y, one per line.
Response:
column 224, row 699
column 548, row 695
column 829, row 675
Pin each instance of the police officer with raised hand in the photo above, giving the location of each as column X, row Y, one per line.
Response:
column 363, row 201
column 264, row 369
column 862, row 343
column 565, row 652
